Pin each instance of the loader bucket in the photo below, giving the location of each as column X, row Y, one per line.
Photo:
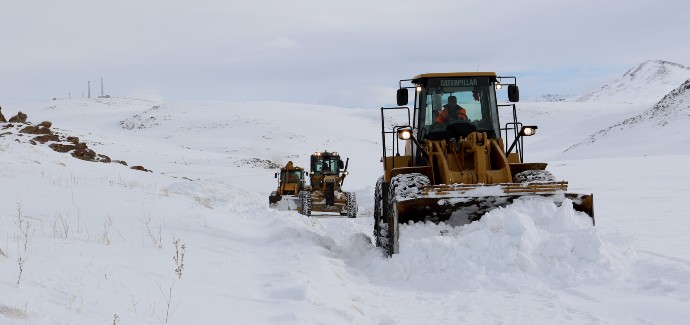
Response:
column 462, row 204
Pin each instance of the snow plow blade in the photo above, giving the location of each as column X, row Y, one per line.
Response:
column 283, row 202
column 461, row 204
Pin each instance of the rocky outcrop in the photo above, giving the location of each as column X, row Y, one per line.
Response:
column 140, row 168
column 19, row 118
column 36, row 129
column 60, row 143
column 2, row 117
column 61, row 147
column 47, row 137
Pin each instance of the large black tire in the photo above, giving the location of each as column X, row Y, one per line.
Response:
column 351, row 205
column 401, row 186
column 300, row 200
column 378, row 210
column 408, row 185
column 389, row 226
column 305, row 203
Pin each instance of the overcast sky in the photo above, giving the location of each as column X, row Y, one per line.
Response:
column 344, row 53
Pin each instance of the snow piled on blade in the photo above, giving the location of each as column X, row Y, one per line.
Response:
column 287, row 203
column 529, row 243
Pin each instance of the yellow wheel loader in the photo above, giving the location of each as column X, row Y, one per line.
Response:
column 456, row 165
column 325, row 192
column 290, row 184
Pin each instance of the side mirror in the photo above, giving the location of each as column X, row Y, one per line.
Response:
column 340, row 164
column 275, row 175
column 402, row 96
column 306, row 173
column 513, row 93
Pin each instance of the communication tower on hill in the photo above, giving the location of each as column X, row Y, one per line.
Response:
column 102, row 94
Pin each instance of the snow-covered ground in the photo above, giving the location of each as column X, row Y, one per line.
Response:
column 94, row 243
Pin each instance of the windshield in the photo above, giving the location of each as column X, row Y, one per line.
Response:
column 292, row 176
column 458, row 100
column 327, row 166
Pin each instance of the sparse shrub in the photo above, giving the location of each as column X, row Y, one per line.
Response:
column 156, row 237
column 61, row 226
column 15, row 312
column 76, row 300
column 23, row 241
column 168, row 303
column 105, row 233
column 179, row 257
column 203, row 202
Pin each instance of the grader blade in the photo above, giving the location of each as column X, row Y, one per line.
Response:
column 283, row 202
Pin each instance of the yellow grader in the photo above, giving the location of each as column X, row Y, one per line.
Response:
column 325, row 192
column 456, row 165
column 290, row 184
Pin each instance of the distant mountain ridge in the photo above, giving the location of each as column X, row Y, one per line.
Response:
column 549, row 98
column 647, row 82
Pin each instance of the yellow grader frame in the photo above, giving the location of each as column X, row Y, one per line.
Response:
column 456, row 169
column 325, row 192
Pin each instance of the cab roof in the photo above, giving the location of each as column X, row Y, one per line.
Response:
column 455, row 74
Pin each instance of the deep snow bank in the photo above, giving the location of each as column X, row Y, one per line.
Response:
column 529, row 243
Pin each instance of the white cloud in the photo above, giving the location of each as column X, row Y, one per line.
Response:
column 327, row 45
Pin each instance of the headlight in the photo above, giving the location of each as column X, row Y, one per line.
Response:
column 405, row 134
column 529, row 130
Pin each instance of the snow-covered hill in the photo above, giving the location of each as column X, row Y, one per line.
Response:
column 659, row 130
column 89, row 242
column 648, row 82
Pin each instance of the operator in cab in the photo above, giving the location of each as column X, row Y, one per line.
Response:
column 451, row 112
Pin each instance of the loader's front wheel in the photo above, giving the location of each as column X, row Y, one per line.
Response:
column 389, row 226
column 401, row 185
